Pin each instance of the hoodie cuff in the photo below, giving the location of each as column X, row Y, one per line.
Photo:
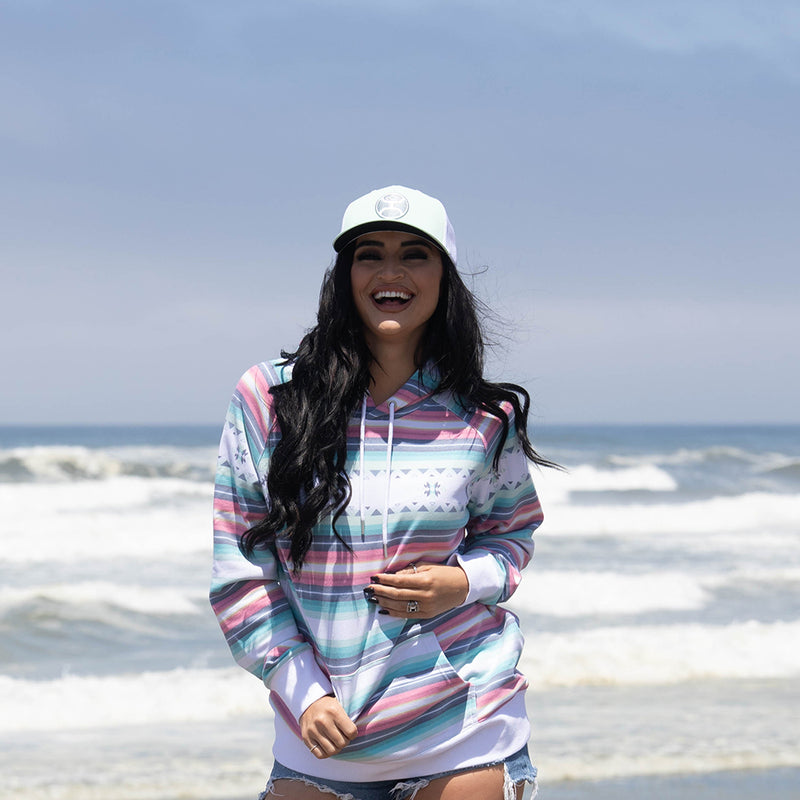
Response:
column 486, row 579
column 299, row 681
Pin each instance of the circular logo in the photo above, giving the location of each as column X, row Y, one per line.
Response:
column 391, row 206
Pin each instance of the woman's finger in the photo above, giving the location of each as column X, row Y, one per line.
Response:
column 326, row 728
column 408, row 609
column 327, row 743
column 325, row 747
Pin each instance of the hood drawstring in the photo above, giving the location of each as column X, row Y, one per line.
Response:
column 361, row 466
column 362, row 472
column 388, row 480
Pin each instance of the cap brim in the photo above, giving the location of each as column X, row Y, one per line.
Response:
column 343, row 239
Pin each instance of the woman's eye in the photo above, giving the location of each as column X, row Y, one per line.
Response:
column 416, row 255
column 367, row 255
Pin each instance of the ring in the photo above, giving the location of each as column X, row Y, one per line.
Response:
column 315, row 747
column 414, row 567
column 412, row 606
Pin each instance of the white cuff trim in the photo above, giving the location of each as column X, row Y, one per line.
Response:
column 486, row 580
column 299, row 681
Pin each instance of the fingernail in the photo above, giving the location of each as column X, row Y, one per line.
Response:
column 369, row 594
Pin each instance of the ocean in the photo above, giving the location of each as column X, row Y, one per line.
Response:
column 661, row 615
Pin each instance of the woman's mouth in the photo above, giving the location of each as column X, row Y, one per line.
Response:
column 392, row 299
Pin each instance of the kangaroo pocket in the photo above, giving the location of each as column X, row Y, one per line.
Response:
column 415, row 686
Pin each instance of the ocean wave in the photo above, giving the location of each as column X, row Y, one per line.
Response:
column 686, row 455
column 755, row 512
column 92, row 600
column 124, row 493
column 577, row 594
column 647, row 477
column 731, row 468
column 585, row 478
column 121, row 517
column 82, row 702
column 607, row 656
column 665, row 654
column 76, row 463
column 786, row 468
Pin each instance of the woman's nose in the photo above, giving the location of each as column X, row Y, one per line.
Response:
column 391, row 267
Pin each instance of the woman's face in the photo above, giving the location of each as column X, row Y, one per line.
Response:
column 395, row 280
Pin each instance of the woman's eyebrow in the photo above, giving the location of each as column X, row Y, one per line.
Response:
column 409, row 243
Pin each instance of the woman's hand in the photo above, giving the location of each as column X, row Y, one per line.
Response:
column 326, row 728
column 419, row 592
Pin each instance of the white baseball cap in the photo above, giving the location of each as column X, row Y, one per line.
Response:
column 397, row 208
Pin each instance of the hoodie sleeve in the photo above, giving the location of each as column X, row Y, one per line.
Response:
column 246, row 595
column 504, row 513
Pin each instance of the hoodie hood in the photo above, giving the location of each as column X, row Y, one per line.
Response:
column 413, row 393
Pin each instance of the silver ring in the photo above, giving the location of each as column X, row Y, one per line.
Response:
column 412, row 606
column 315, row 747
column 414, row 567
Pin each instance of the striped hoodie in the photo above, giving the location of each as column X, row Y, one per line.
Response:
column 426, row 695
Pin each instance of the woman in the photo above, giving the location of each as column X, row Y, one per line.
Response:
column 373, row 506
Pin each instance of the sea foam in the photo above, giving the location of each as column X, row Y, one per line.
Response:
column 751, row 512
column 119, row 517
column 147, row 698
column 662, row 654
column 577, row 594
column 557, row 486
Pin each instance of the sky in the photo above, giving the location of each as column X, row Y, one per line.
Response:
column 622, row 178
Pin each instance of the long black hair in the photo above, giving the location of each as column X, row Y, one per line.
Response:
column 331, row 374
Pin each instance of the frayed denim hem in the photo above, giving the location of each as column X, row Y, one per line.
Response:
column 509, row 787
column 517, row 771
column 269, row 791
column 398, row 792
column 405, row 790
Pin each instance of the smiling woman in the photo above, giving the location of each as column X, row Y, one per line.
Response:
column 373, row 506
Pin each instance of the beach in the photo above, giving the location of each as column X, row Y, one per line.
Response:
column 661, row 615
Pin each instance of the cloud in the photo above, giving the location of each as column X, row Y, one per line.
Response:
column 768, row 31
column 764, row 29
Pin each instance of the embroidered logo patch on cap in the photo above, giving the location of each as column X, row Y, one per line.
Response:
column 391, row 206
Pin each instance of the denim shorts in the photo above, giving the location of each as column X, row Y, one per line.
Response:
column 518, row 769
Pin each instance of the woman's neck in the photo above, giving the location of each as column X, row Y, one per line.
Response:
column 391, row 367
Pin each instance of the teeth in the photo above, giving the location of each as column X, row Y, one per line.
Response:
column 396, row 295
